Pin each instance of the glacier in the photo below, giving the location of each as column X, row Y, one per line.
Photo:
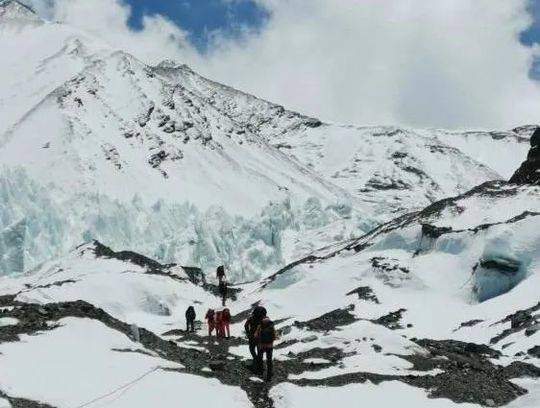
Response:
column 507, row 259
column 39, row 223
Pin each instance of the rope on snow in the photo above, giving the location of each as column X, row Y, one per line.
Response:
column 122, row 387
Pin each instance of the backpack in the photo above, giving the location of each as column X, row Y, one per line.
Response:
column 190, row 313
column 267, row 333
column 220, row 272
column 226, row 316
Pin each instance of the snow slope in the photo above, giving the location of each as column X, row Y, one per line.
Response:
column 431, row 256
column 392, row 170
column 147, row 298
column 88, row 365
column 393, row 316
column 441, row 273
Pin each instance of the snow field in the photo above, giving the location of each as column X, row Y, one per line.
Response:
column 75, row 364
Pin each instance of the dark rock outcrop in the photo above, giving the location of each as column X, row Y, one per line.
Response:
column 469, row 323
column 529, row 172
column 391, row 320
column 433, row 231
column 329, row 321
column 534, row 351
column 364, row 293
column 23, row 402
column 519, row 321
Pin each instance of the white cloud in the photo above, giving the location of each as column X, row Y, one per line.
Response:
column 445, row 63
column 160, row 39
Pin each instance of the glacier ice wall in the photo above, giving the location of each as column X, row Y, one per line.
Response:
column 12, row 248
column 505, row 261
column 36, row 224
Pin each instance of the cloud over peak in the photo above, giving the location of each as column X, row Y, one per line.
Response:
column 450, row 63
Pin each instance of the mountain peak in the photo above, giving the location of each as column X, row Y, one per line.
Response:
column 168, row 64
column 15, row 11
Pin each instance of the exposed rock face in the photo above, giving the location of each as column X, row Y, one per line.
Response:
column 529, row 172
column 330, row 320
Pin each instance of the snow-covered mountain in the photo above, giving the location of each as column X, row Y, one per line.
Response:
column 399, row 266
column 92, row 138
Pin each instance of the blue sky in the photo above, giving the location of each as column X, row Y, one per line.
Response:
column 532, row 35
column 200, row 17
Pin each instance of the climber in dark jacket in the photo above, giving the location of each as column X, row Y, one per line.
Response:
column 190, row 319
column 211, row 319
column 265, row 336
column 252, row 322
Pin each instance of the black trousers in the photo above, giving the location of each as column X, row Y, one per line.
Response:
column 190, row 325
column 253, row 348
column 269, row 363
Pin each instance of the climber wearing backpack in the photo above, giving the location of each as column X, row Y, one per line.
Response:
column 252, row 322
column 210, row 318
column 265, row 335
column 190, row 319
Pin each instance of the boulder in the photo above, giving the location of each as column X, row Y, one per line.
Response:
column 529, row 171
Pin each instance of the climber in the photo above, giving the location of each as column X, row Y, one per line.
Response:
column 252, row 322
column 226, row 322
column 265, row 336
column 210, row 318
column 190, row 319
column 220, row 273
column 220, row 330
column 223, row 291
